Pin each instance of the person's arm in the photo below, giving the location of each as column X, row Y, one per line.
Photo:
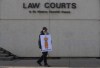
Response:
column 39, row 42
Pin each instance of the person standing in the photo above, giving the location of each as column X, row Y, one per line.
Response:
column 44, row 54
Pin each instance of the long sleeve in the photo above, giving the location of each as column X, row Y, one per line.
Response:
column 39, row 42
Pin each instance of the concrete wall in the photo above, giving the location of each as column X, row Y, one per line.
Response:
column 74, row 35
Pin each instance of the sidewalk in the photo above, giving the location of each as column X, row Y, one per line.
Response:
column 63, row 62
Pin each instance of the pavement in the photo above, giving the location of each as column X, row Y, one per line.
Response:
column 63, row 62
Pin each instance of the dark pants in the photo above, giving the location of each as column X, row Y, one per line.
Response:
column 43, row 57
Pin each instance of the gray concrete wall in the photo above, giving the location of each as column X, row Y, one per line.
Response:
column 13, row 9
column 74, row 35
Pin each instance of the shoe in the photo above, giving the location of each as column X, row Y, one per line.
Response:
column 47, row 65
column 39, row 63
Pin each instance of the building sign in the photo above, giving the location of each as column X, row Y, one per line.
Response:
column 34, row 7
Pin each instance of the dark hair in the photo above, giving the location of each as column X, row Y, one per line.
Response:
column 45, row 28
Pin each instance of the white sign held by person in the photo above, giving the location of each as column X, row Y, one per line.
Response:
column 46, row 43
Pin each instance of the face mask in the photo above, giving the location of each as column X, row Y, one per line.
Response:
column 43, row 30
